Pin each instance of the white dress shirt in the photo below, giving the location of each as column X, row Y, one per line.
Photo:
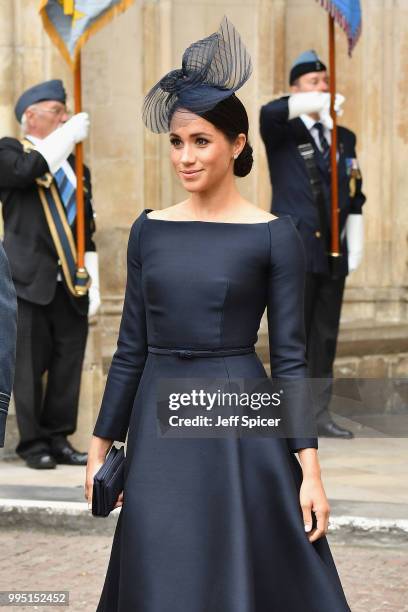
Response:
column 310, row 124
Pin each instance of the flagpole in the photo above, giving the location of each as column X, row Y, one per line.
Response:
column 335, row 240
column 79, row 169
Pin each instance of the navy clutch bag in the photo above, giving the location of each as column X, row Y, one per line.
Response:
column 108, row 482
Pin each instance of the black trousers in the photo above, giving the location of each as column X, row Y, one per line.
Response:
column 50, row 339
column 323, row 300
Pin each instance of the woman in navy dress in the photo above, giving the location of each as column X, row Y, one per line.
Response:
column 218, row 524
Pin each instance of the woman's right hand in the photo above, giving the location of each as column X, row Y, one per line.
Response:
column 97, row 452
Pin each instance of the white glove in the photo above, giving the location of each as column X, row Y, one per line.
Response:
column 91, row 264
column 308, row 102
column 355, row 240
column 313, row 102
column 325, row 116
column 56, row 147
column 78, row 126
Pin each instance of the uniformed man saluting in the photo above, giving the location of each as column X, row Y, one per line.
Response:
column 38, row 195
column 296, row 131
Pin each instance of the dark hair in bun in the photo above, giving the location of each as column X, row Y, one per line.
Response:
column 230, row 117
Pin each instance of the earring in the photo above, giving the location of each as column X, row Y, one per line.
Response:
column 235, row 156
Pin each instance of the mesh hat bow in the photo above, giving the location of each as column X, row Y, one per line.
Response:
column 212, row 69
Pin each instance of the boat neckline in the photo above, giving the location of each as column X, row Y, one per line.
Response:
column 146, row 210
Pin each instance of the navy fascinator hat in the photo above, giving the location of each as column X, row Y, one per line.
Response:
column 212, row 69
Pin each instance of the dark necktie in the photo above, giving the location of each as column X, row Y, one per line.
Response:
column 324, row 145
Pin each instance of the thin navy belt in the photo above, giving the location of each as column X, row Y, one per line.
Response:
column 191, row 353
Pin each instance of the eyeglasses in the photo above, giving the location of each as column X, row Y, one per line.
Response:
column 54, row 111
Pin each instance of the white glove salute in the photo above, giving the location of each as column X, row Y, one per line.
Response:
column 313, row 102
column 56, row 147
column 78, row 126
column 324, row 114
column 91, row 264
column 307, row 102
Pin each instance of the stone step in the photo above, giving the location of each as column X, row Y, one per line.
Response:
column 53, row 511
column 359, row 339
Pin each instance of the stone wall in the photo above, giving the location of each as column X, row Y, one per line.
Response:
column 130, row 166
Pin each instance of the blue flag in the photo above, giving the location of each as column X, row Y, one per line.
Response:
column 70, row 23
column 347, row 14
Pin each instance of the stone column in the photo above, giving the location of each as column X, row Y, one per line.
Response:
column 271, row 78
column 7, row 68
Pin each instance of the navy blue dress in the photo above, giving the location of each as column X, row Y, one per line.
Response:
column 209, row 524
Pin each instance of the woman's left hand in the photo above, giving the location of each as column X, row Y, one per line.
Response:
column 313, row 498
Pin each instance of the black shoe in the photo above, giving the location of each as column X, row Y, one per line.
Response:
column 66, row 454
column 41, row 461
column 332, row 430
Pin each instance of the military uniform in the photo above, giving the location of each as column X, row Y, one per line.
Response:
column 293, row 195
column 52, row 322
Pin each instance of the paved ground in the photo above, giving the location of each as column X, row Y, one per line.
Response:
column 373, row 470
column 366, row 469
column 365, row 478
column 375, row 579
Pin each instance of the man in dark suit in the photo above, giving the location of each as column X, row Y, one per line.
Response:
column 8, row 326
column 38, row 195
column 288, row 125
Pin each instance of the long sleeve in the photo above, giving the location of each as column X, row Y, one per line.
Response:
column 285, row 312
column 274, row 126
column 8, row 330
column 19, row 169
column 130, row 356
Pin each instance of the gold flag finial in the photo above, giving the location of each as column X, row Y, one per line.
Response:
column 68, row 6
